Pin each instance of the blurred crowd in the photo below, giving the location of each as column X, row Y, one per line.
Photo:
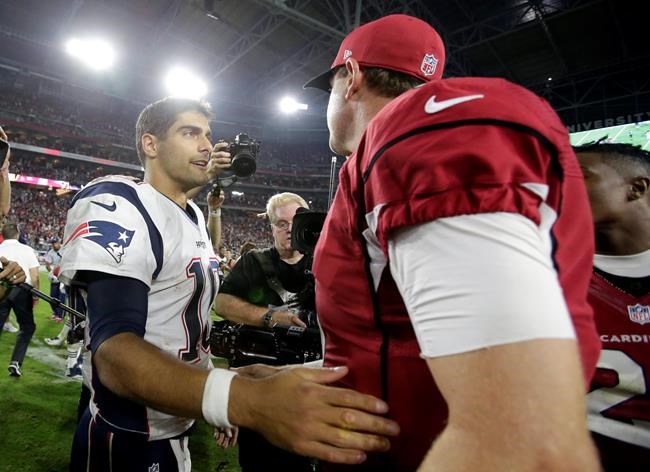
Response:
column 51, row 123
column 107, row 132
column 40, row 214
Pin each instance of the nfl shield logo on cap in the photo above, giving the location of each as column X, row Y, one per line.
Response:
column 429, row 64
column 639, row 313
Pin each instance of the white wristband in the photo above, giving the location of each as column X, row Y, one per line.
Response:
column 214, row 405
column 216, row 212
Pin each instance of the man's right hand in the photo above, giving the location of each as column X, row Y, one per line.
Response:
column 295, row 410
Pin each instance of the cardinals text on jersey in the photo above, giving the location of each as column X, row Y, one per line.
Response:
column 619, row 401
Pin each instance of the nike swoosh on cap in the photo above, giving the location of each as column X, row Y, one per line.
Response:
column 434, row 107
column 111, row 207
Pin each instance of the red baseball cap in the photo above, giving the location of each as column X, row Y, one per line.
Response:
column 401, row 43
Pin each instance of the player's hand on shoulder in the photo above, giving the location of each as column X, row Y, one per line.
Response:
column 296, row 410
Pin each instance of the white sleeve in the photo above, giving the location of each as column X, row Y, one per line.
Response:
column 107, row 232
column 475, row 281
column 33, row 263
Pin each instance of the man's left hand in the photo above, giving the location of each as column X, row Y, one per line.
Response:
column 287, row 318
column 11, row 272
column 215, row 201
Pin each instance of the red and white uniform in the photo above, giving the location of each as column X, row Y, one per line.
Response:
column 445, row 151
column 619, row 401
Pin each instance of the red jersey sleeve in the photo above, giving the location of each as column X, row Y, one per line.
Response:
column 468, row 169
column 478, row 156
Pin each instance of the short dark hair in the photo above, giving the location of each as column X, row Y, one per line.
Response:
column 386, row 83
column 624, row 158
column 159, row 116
column 10, row 231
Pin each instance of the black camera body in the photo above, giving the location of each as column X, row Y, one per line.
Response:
column 305, row 230
column 245, row 345
column 243, row 154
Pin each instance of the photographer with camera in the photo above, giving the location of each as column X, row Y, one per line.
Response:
column 250, row 295
column 453, row 267
column 257, row 293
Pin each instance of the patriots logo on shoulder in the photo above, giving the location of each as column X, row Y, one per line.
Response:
column 639, row 313
column 111, row 236
column 429, row 64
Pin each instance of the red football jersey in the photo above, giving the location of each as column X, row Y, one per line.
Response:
column 450, row 147
column 619, row 401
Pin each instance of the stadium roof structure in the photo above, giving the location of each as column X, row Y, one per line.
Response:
column 589, row 58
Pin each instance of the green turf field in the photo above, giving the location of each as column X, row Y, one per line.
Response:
column 38, row 410
column 637, row 134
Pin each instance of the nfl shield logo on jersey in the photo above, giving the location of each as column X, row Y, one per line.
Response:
column 429, row 64
column 639, row 313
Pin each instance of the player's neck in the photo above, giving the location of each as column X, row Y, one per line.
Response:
column 167, row 187
column 366, row 111
column 624, row 240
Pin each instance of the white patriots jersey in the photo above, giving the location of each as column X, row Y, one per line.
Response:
column 129, row 229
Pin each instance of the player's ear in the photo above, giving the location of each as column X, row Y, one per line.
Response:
column 150, row 145
column 639, row 187
column 354, row 77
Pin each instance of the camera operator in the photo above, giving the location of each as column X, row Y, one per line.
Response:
column 256, row 293
column 250, row 295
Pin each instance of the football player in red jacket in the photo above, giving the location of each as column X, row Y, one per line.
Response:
column 453, row 267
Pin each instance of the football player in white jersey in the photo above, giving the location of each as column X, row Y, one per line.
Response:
column 143, row 251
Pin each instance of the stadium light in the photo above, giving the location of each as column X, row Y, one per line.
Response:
column 181, row 82
column 235, row 193
column 290, row 105
column 95, row 53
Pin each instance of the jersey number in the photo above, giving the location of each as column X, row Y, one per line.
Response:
column 196, row 333
column 629, row 381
